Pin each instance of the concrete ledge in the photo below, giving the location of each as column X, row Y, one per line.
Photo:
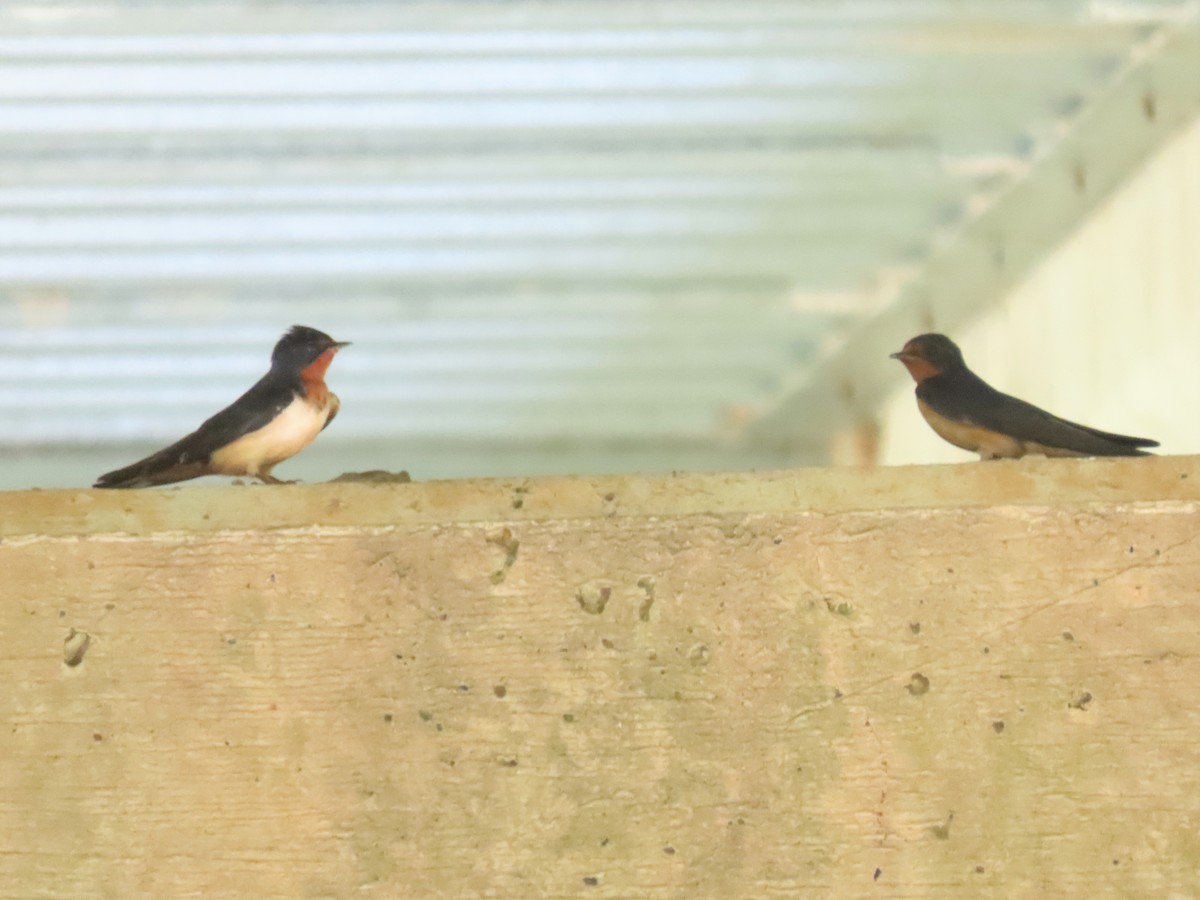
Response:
column 197, row 508
column 961, row 679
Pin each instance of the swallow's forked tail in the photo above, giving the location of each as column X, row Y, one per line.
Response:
column 164, row 467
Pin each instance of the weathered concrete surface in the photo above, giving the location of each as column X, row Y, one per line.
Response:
column 902, row 682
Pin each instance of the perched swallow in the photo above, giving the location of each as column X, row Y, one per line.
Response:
column 969, row 413
column 277, row 418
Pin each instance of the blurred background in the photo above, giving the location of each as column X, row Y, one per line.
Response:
column 593, row 235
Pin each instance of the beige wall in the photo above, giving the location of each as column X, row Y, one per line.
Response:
column 1106, row 331
column 914, row 682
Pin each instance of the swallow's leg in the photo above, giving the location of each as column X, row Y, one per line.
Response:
column 268, row 478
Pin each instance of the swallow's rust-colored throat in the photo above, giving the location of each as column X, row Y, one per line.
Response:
column 315, row 371
column 312, row 376
column 918, row 368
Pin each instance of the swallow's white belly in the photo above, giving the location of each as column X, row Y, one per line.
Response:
column 286, row 435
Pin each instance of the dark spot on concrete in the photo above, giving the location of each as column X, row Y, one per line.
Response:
column 509, row 762
column 1149, row 106
column 438, row 727
column 387, row 717
column 1080, row 176
column 591, row 880
column 604, row 842
column 75, row 647
column 518, row 500
column 426, row 715
column 110, row 606
column 1081, row 702
column 1067, row 636
column 511, row 546
column 998, row 726
column 917, row 685
column 500, row 690
column 593, row 597
column 62, row 613
column 878, row 872
column 950, row 569
column 373, row 476
column 942, row 832
column 979, row 870
column 699, row 655
column 669, row 850
column 777, row 540
column 914, row 627
column 97, row 736
column 647, row 585
column 1095, row 582
column 610, row 497
column 837, row 694
column 842, row 609
column 986, row 651
column 568, row 718
column 464, row 687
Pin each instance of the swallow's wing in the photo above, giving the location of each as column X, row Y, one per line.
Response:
column 254, row 409
column 334, row 405
column 964, row 397
column 189, row 456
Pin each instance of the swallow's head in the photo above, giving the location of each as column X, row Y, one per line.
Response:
column 927, row 355
column 302, row 347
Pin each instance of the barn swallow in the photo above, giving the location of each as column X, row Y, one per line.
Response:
column 969, row 413
column 276, row 419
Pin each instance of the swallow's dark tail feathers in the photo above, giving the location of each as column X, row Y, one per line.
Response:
column 164, row 467
column 1115, row 444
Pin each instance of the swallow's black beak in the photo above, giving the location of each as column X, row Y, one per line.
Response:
column 341, row 344
column 899, row 354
